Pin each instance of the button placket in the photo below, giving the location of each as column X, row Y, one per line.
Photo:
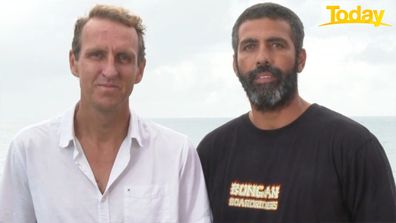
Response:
column 103, row 209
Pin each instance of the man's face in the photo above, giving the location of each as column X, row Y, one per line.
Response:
column 108, row 64
column 266, row 63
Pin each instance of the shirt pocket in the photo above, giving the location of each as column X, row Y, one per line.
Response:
column 147, row 203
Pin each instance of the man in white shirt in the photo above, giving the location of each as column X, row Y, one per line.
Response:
column 100, row 162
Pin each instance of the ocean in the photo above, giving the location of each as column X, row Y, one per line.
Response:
column 196, row 128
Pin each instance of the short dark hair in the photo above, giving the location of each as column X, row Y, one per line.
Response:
column 271, row 11
column 112, row 13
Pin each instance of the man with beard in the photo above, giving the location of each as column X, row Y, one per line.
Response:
column 287, row 160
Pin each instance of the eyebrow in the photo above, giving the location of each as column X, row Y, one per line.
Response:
column 94, row 50
column 248, row 40
column 271, row 39
column 276, row 39
column 104, row 50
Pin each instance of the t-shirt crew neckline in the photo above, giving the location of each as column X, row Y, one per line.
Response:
column 252, row 127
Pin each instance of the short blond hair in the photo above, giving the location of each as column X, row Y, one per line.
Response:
column 112, row 13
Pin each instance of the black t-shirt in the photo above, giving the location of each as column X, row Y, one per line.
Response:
column 323, row 167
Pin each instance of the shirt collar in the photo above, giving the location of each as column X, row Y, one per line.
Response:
column 67, row 128
column 135, row 129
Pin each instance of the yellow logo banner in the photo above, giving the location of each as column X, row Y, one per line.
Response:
column 355, row 16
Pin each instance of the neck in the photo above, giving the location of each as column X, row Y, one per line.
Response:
column 281, row 117
column 101, row 126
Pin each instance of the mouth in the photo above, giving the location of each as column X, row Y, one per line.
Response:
column 264, row 77
column 107, row 86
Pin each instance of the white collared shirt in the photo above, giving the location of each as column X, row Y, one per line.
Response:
column 156, row 177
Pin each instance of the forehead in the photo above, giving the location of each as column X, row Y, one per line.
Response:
column 98, row 31
column 265, row 28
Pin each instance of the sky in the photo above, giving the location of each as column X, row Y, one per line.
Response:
column 349, row 68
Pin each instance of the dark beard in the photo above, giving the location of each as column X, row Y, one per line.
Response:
column 270, row 96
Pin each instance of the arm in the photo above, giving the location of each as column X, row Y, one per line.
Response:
column 193, row 198
column 369, row 187
column 16, row 204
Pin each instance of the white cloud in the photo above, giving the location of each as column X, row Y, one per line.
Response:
column 341, row 75
column 189, row 72
column 202, row 86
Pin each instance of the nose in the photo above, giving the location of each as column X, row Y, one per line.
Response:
column 110, row 68
column 263, row 57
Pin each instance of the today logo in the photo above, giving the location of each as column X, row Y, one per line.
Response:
column 355, row 16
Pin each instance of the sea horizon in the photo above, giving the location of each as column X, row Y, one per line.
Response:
column 383, row 127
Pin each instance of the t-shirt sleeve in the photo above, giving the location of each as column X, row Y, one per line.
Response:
column 202, row 150
column 207, row 156
column 369, row 187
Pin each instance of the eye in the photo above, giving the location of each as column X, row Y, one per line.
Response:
column 278, row 45
column 96, row 55
column 249, row 47
column 124, row 58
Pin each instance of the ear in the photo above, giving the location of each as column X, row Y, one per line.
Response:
column 302, row 56
column 235, row 64
column 73, row 64
column 139, row 74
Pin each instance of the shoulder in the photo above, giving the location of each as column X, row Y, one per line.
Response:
column 38, row 132
column 226, row 129
column 334, row 123
column 345, row 137
column 160, row 132
column 166, row 145
column 222, row 135
column 32, row 140
column 162, row 137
